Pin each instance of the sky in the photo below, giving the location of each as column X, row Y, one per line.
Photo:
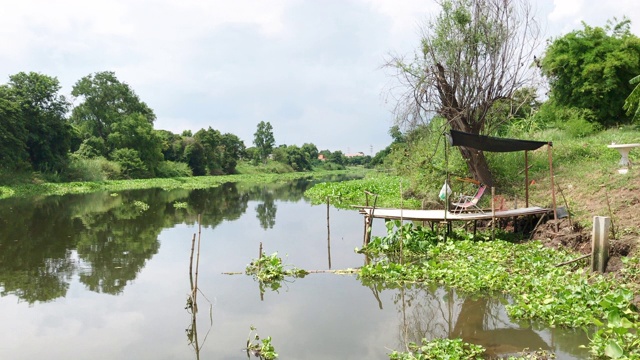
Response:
column 312, row 68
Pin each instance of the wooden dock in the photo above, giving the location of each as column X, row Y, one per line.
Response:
column 442, row 216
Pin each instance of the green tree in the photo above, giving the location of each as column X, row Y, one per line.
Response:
column 233, row 149
column 310, row 151
column 292, row 156
column 43, row 111
column 263, row 140
column 105, row 101
column 195, row 157
column 474, row 53
column 13, row 135
column 632, row 102
column 337, row 157
column 591, row 69
column 136, row 132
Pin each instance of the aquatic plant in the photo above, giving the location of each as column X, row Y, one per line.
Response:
column 344, row 194
column 440, row 349
column 526, row 272
column 180, row 205
column 141, row 205
column 269, row 270
column 262, row 348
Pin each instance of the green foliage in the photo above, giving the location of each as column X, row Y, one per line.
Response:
column 347, row 193
column 454, row 349
column 171, row 169
column 262, row 348
column 293, row 156
column 221, row 152
column 632, row 102
column 135, row 132
column 93, row 169
column 105, row 101
column 130, row 163
column 591, row 69
column 271, row 272
column 13, row 135
column 28, row 185
column 263, row 140
column 42, row 113
column 141, row 205
column 526, row 272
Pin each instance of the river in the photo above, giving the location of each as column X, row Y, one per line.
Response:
column 106, row 276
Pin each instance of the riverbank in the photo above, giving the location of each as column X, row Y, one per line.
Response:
column 37, row 188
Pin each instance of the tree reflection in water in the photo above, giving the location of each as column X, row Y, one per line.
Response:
column 106, row 239
column 431, row 313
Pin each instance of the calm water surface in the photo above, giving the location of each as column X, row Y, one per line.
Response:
column 101, row 276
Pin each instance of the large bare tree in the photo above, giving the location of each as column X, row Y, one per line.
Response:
column 472, row 55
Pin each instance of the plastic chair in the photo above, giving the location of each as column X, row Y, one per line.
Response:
column 469, row 202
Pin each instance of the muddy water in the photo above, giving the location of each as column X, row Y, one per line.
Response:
column 102, row 276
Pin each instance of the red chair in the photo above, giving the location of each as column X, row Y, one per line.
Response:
column 469, row 202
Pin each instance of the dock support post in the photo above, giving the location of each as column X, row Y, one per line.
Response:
column 600, row 243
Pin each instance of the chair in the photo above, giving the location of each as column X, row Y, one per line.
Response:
column 467, row 202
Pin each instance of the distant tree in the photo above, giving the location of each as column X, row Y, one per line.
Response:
column 105, row 101
column 222, row 152
column 337, row 157
column 187, row 133
column 292, row 156
column 136, row 132
column 43, row 113
column 310, row 151
column 473, row 54
column 233, row 149
column 591, row 69
column 195, row 157
column 13, row 135
column 263, row 140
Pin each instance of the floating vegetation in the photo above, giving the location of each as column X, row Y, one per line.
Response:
column 344, row 194
column 180, row 205
column 440, row 349
column 527, row 272
column 141, row 205
column 196, row 182
column 261, row 348
column 271, row 272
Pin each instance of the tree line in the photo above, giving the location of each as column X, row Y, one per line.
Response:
column 110, row 135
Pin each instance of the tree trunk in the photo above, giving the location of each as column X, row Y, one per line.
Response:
column 477, row 165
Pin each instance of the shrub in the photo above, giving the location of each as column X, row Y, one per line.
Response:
column 132, row 165
column 95, row 169
column 171, row 169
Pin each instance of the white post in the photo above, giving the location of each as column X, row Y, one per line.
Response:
column 600, row 243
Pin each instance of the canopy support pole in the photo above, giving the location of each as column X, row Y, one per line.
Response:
column 553, row 187
column 526, row 177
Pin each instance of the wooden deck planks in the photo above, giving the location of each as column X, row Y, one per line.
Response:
column 442, row 215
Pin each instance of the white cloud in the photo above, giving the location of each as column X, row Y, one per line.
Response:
column 232, row 64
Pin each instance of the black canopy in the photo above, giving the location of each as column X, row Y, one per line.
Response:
column 494, row 144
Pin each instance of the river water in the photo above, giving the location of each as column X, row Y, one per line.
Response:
column 106, row 276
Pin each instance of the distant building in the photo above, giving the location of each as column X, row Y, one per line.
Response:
column 321, row 157
column 359, row 153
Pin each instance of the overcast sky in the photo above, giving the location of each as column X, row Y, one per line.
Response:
column 309, row 67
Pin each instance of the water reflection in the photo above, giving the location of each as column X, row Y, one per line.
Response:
column 434, row 313
column 107, row 238
column 77, row 246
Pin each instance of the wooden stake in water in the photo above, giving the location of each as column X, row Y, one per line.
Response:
column 328, row 235
column 600, row 243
